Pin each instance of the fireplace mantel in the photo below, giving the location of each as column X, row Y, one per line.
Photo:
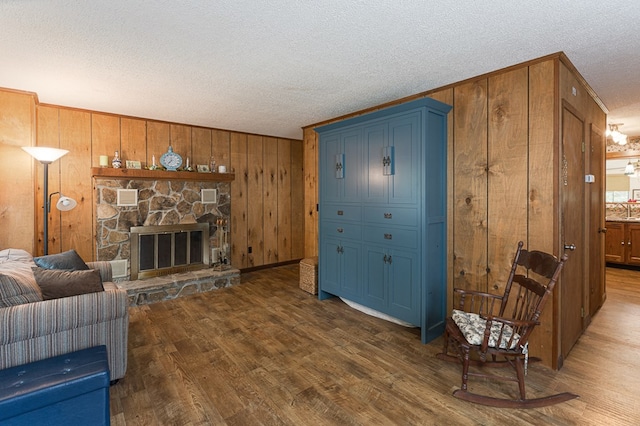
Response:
column 143, row 174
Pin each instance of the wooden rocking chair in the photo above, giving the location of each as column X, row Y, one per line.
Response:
column 500, row 326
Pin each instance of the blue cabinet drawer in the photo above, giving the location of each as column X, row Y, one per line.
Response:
column 391, row 216
column 340, row 212
column 341, row 230
column 407, row 238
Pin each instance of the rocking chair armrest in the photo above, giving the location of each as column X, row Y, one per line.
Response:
column 510, row 321
column 474, row 296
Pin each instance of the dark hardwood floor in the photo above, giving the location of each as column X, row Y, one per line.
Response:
column 266, row 352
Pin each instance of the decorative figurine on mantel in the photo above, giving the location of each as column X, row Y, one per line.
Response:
column 171, row 160
column 116, row 163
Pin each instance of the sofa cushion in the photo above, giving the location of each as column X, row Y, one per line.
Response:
column 69, row 260
column 16, row 289
column 57, row 283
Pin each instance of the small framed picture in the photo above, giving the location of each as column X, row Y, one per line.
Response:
column 131, row 164
column 636, row 194
column 203, row 168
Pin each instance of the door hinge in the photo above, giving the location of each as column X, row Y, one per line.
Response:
column 582, row 312
column 583, row 146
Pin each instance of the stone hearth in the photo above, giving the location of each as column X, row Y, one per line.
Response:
column 168, row 287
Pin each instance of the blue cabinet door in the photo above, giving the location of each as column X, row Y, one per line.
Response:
column 330, row 186
column 340, row 269
column 402, row 185
column 376, row 184
column 351, row 285
column 329, row 274
column 375, row 278
column 404, row 299
column 341, row 150
column 404, row 137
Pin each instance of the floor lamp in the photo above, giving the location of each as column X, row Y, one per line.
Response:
column 47, row 156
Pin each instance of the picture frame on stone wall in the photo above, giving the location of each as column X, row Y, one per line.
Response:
column 203, row 168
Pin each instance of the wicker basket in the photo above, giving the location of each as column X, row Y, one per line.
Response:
column 309, row 275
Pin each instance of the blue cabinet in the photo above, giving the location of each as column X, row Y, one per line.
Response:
column 383, row 212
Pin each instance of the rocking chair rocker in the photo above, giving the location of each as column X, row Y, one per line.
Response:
column 500, row 326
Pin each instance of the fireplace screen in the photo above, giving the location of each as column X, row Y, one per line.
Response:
column 168, row 249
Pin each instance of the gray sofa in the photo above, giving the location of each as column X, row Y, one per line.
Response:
column 32, row 329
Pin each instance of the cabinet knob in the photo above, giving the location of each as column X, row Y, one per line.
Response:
column 340, row 230
column 388, row 236
column 388, row 215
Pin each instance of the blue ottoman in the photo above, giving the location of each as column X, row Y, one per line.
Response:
column 70, row 389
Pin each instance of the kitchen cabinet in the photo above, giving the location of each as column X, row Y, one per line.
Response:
column 382, row 211
column 622, row 243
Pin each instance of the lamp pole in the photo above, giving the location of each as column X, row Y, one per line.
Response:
column 45, row 206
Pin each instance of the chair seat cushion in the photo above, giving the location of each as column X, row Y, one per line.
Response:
column 473, row 325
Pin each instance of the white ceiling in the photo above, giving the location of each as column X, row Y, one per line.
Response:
column 272, row 67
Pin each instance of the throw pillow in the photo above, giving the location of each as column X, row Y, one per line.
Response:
column 57, row 283
column 69, row 260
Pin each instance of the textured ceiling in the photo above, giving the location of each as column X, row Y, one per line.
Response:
column 272, row 67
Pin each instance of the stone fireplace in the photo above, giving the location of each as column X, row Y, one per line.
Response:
column 165, row 249
column 176, row 203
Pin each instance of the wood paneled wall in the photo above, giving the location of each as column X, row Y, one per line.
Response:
column 267, row 195
column 503, row 164
column 17, row 193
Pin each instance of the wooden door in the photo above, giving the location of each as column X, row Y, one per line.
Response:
column 596, row 235
column 572, row 234
column 614, row 243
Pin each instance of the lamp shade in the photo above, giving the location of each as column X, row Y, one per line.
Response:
column 45, row 154
column 65, row 204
